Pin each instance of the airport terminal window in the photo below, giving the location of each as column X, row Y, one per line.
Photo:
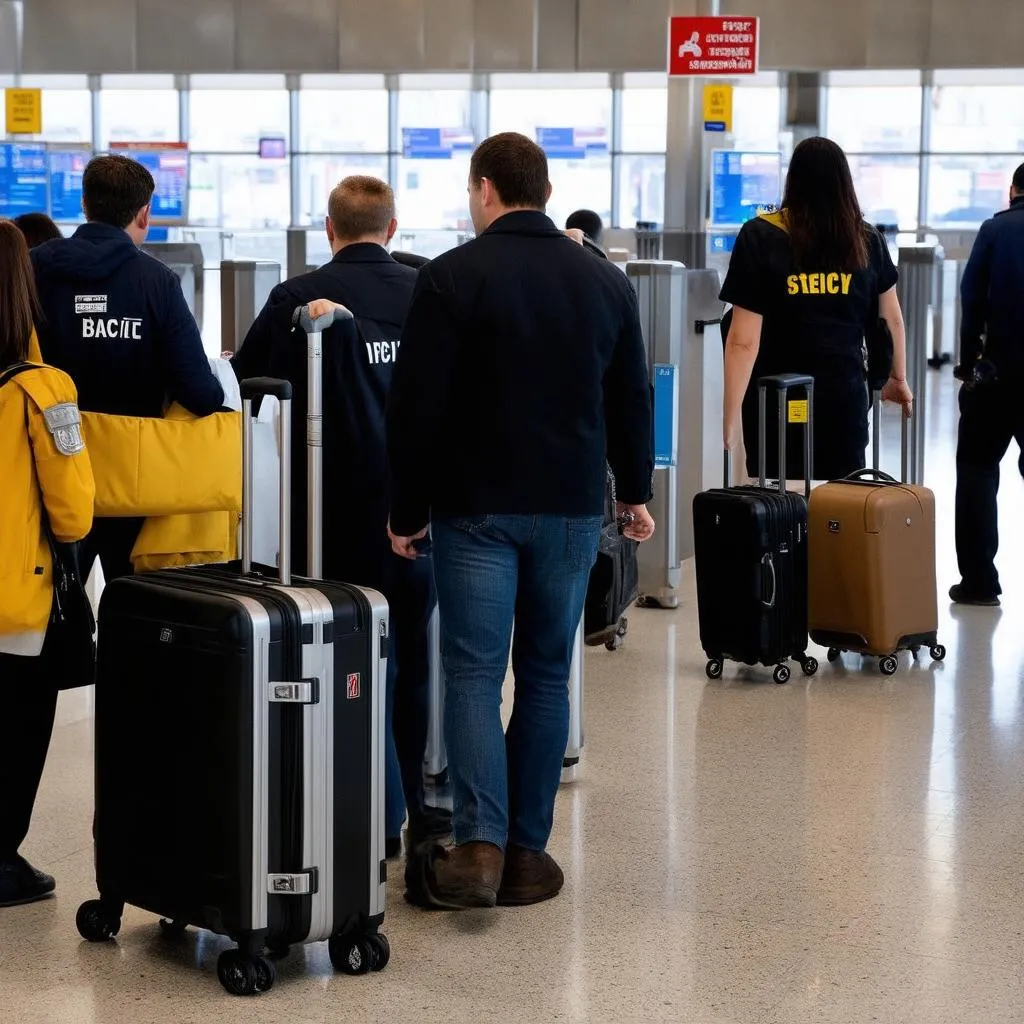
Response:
column 756, row 116
column 138, row 115
column 875, row 118
column 239, row 191
column 234, row 120
column 431, row 191
column 963, row 191
column 977, row 119
column 641, row 189
column 343, row 119
column 319, row 174
column 644, row 120
column 888, row 188
column 67, row 107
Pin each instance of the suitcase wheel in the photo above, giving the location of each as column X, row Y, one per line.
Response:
column 809, row 666
column 97, row 921
column 834, row 654
column 173, row 929
column 781, row 674
column 245, row 975
column 938, row 652
column 713, row 669
column 359, row 954
column 888, row 665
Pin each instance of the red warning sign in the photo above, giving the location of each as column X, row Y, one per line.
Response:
column 353, row 686
column 712, row 46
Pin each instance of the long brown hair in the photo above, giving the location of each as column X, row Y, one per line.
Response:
column 18, row 301
column 823, row 216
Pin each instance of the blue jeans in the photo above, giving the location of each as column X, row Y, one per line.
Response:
column 494, row 572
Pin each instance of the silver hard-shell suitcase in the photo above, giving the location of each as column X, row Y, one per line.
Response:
column 240, row 772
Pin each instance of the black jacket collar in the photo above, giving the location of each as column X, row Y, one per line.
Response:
column 363, row 252
column 523, row 222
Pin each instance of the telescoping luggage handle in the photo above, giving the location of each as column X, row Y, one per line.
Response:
column 876, row 444
column 314, row 329
column 782, row 384
column 261, row 387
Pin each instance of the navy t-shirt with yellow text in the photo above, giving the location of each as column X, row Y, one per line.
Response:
column 814, row 323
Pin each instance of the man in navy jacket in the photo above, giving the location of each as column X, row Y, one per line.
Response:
column 358, row 362
column 116, row 321
column 522, row 375
column 991, row 412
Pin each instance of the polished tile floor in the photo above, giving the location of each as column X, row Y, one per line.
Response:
column 842, row 849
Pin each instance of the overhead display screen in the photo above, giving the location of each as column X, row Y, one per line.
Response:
column 66, row 169
column 743, row 185
column 24, row 179
column 168, row 163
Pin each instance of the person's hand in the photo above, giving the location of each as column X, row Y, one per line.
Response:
column 641, row 527
column 405, row 547
column 322, row 307
column 575, row 234
column 227, row 355
column 898, row 391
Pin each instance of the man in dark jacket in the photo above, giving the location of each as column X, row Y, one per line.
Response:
column 116, row 321
column 359, row 357
column 991, row 411
column 522, row 370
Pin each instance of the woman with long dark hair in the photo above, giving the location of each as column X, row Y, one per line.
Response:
column 806, row 284
column 47, row 494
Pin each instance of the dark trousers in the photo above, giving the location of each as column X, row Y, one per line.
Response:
column 111, row 540
column 411, row 598
column 991, row 415
column 26, row 724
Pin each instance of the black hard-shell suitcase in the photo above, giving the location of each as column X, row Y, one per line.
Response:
column 751, row 559
column 614, row 581
column 240, row 753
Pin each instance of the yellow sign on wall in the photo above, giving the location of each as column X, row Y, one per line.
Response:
column 717, row 108
column 24, row 111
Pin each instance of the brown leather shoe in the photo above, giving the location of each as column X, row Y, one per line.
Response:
column 465, row 876
column 530, row 877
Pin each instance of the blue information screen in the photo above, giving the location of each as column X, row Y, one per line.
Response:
column 573, row 143
column 743, row 185
column 169, row 167
column 436, row 143
column 66, row 169
column 24, row 181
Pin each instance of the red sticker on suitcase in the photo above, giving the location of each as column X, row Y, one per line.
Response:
column 353, row 686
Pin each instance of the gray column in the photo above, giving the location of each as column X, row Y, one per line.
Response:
column 293, row 83
column 685, row 227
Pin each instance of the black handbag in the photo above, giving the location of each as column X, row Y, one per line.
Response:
column 69, row 651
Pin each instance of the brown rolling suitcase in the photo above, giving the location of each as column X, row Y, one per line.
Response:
column 871, row 564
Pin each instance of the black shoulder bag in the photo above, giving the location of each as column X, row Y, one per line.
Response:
column 70, row 647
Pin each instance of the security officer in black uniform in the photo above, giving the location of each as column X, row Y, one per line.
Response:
column 115, row 320
column 991, row 410
column 358, row 359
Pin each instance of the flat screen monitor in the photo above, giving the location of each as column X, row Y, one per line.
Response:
column 743, row 184
column 168, row 163
column 24, row 181
column 66, row 169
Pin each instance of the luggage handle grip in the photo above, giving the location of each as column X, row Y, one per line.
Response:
column 257, row 387
column 261, row 387
column 769, row 563
column 321, row 323
column 872, row 474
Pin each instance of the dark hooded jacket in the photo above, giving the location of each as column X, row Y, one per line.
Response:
column 115, row 320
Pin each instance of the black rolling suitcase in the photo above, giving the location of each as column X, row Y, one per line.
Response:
column 614, row 581
column 751, row 557
column 240, row 751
